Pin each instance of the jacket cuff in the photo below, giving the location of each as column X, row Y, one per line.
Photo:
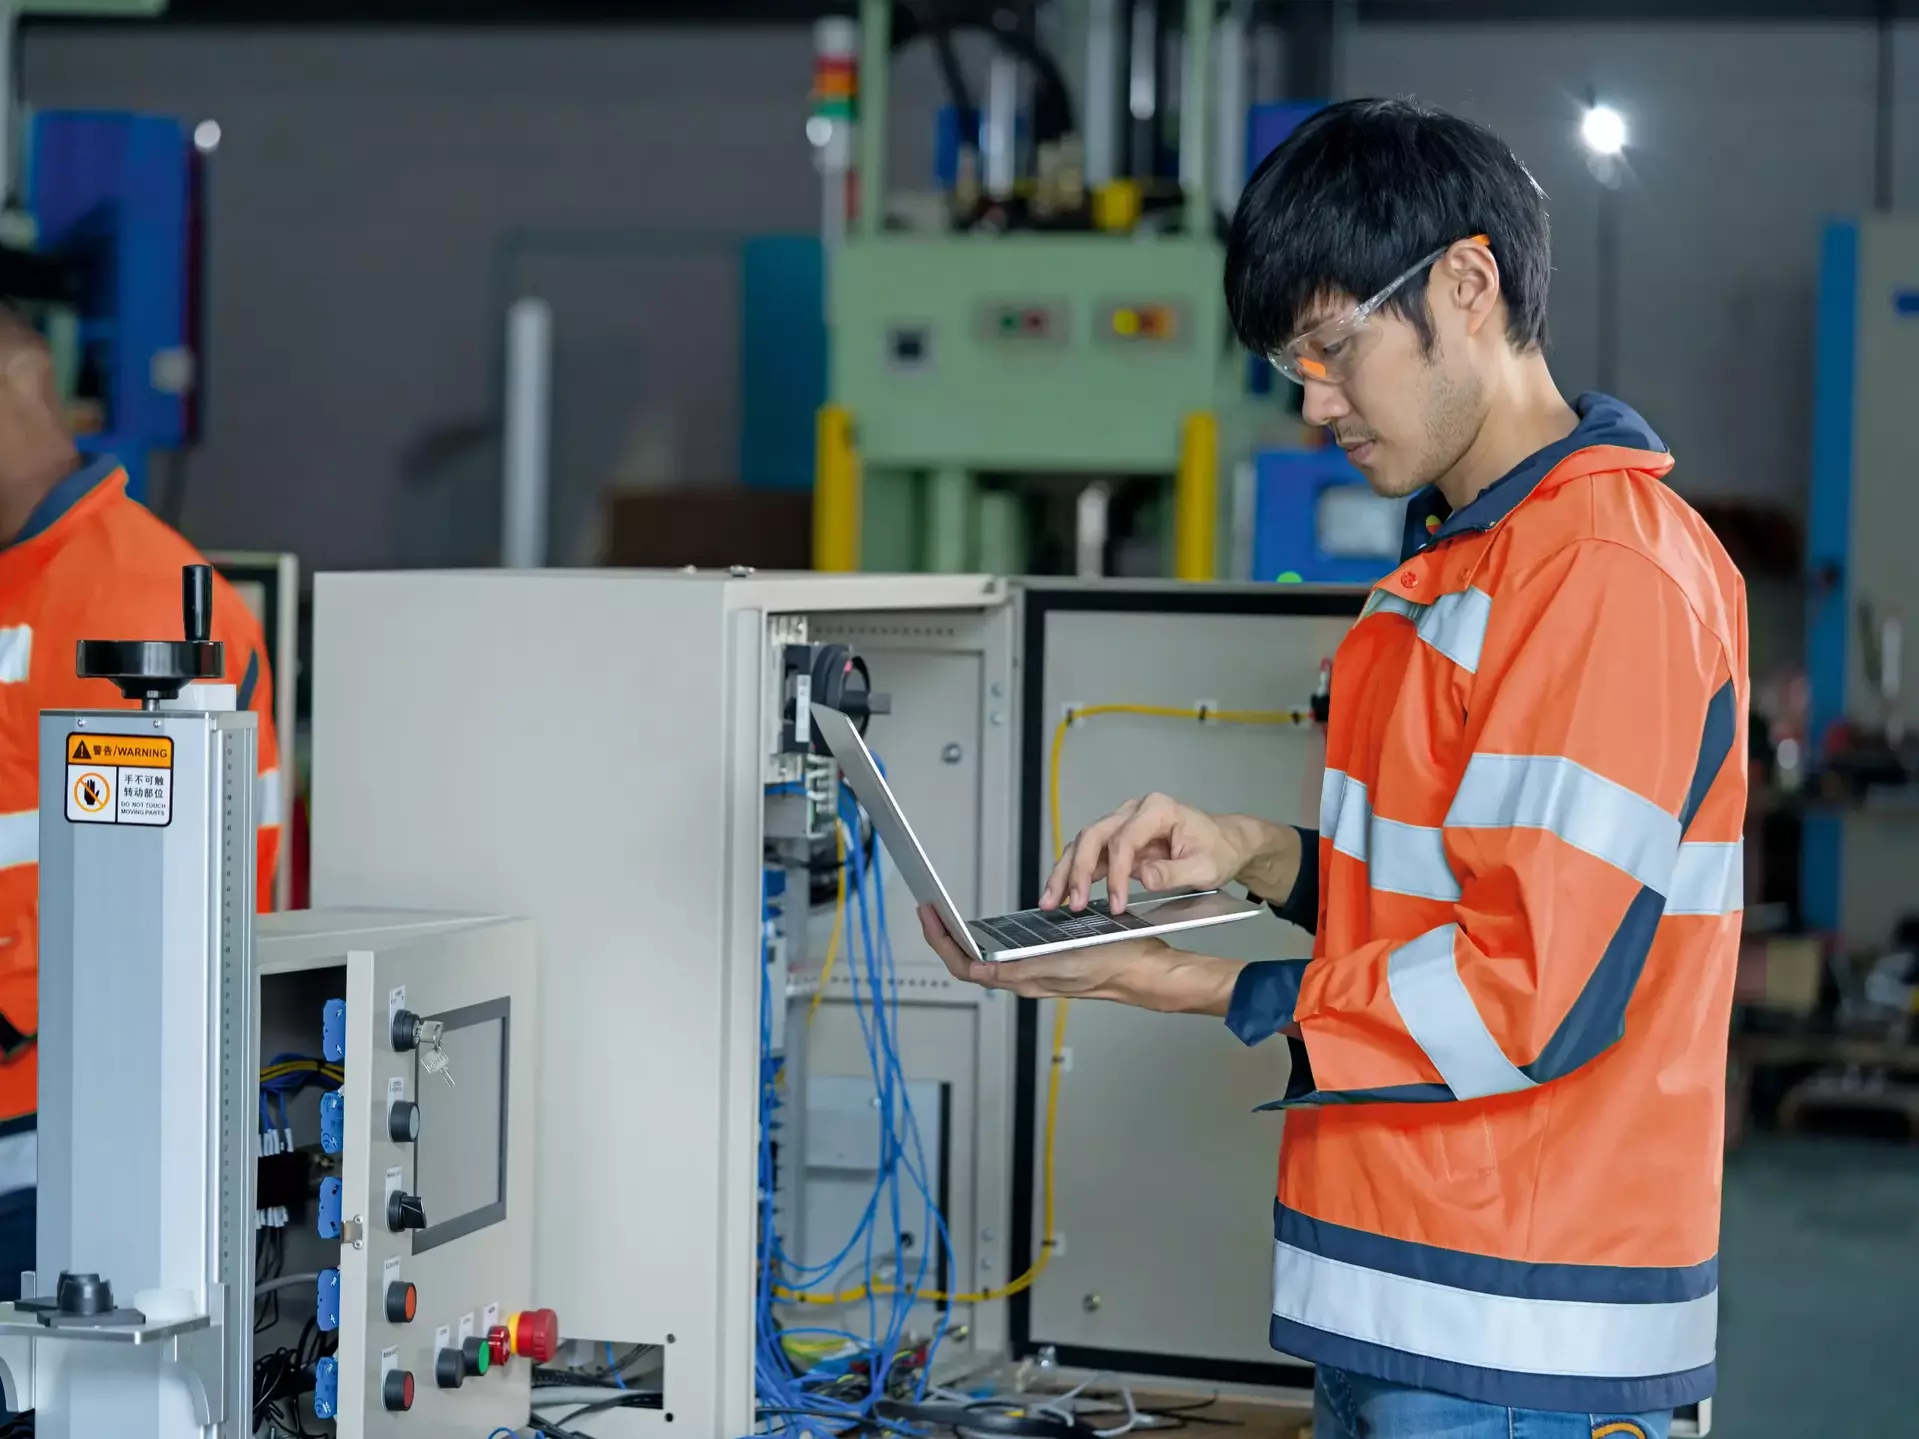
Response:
column 1264, row 996
column 1301, row 907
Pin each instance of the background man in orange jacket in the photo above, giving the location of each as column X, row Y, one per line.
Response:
column 78, row 560
column 1498, row 1202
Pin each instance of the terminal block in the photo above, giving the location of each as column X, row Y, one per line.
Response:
column 332, row 1122
column 326, row 1299
column 329, row 1224
column 326, row 1388
column 333, row 1031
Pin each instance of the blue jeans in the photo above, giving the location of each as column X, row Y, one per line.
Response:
column 17, row 1229
column 1352, row 1406
column 17, row 1233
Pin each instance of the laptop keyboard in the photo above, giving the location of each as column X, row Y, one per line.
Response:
column 1028, row 927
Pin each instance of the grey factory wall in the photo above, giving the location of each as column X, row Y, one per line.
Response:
column 375, row 194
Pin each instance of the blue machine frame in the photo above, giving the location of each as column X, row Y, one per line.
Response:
column 1828, row 546
column 1289, row 486
column 118, row 194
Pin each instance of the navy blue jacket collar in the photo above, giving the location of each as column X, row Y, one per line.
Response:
column 1602, row 421
column 65, row 495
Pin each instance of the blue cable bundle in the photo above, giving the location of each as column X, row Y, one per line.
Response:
column 288, row 1074
column 792, row 1401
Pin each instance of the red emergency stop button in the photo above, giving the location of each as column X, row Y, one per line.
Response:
column 535, row 1334
column 499, row 1340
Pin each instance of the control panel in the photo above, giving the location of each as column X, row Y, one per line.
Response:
column 424, row 1296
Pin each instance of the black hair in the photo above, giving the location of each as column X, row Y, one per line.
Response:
column 1363, row 190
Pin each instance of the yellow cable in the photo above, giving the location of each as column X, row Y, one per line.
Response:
column 839, row 920
column 1058, row 1061
column 1207, row 716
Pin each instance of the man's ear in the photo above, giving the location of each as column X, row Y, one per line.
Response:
column 26, row 375
column 1469, row 282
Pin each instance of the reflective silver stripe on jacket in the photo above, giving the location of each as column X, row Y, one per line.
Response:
column 19, row 838
column 1454, row 624
column 1493, row 1331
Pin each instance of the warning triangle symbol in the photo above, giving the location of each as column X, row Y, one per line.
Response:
column 80, row 750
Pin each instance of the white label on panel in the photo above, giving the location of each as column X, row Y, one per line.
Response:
column 395, row 1089
column 389, row 1359
column 390, row 1271
column 466, row 1326
column 492, row 1318
column 395, row 1002
column 442, row 1338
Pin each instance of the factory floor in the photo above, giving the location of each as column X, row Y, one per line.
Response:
column 1819, row 1269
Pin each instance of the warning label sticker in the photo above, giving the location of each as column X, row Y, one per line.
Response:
column 148, row 753
column 119, row 779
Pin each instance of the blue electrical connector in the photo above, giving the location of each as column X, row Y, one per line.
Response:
column 326, row 1388
column 329, row 1224
column 326, row 1301
column 333, row 1031
column 332, row 1122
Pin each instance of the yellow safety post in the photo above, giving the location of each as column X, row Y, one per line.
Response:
column 1196, row 499
column 836, row 492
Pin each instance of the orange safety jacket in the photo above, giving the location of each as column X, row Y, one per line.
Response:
column 90, row 563
column 1500, row 1174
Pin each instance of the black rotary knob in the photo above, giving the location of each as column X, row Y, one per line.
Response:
column 155, row 670
column 396, row 1391
column 403, row 1121
column 402, row 1302
column 404, row 1211
column 449, row 1369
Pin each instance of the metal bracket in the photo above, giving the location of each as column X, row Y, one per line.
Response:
column 199, row 1357
column 194, row 1348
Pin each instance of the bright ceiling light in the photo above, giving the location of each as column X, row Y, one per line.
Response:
column 206, row 136
column 1604, row 130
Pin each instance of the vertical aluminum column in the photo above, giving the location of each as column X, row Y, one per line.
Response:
column 147, row 1066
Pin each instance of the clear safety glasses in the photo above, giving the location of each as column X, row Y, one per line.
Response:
column 1328, row 353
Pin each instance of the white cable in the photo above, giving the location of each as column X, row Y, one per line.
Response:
column 1132, row 1416
column 285, row 1281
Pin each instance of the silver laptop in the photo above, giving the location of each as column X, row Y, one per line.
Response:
column 1030, row 931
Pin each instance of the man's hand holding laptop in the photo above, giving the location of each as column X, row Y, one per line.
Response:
column 1165, row 845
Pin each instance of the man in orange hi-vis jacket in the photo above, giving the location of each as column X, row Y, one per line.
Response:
column 78, row 560
column 1498, row 1206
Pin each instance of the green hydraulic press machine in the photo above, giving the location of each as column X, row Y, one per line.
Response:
column 1043, row 369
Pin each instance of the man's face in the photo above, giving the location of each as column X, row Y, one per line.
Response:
column 1404, row 415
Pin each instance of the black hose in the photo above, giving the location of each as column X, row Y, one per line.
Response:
column 957, row 92
column 1053, row 104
